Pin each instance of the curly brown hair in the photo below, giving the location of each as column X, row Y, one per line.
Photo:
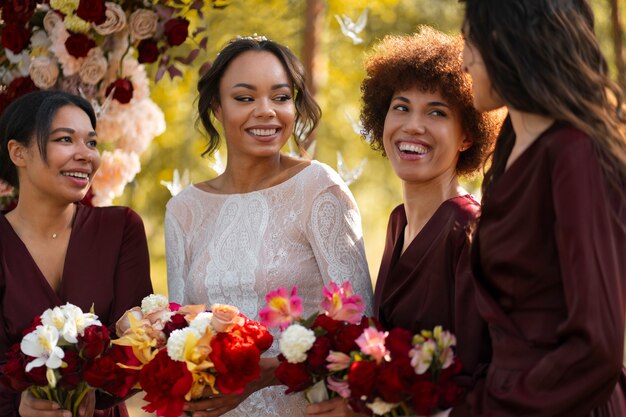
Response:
column 430, row 60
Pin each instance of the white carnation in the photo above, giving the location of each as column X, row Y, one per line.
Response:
column 176, row 342
column 202, row 321
column 295, row 342
column 380, row 407
column 152, row 303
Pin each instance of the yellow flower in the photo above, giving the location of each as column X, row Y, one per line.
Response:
column 196, row 355
column 65, row 6
column 139, row 340
column 75, row 24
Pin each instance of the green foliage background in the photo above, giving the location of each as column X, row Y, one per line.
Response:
column 340, row 72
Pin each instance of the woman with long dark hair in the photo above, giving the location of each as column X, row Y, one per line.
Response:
column 549, row 253
column 54, row 250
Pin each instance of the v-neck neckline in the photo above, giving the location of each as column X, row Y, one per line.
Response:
column 417, row 244
column 44, row 281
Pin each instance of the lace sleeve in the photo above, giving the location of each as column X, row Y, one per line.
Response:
column 175, row 258
column 335, row 234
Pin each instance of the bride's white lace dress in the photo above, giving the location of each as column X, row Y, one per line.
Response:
column 235, row 248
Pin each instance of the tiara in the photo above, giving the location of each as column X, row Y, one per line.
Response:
column 254, row 37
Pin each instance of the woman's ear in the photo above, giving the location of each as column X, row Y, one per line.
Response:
column 217, row 111
column 17, row 152
column 466, row 143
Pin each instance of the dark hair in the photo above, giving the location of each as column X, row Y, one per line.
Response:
column 29, row 118
column 543, row 57
column 308, row 113
column 431, row 61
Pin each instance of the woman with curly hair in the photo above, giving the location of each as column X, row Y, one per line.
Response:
column 549, row 250
column 417, row 109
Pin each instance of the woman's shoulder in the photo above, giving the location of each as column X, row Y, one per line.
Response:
column 463, row 209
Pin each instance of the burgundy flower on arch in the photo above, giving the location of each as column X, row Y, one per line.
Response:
column 92, row 11
column 15, row 37
column 79, row 44
column 123, row 90
column 176, row 31
column 148, row 51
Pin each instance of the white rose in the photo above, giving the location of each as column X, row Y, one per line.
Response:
column 177, row 340
column 94, row 67
column 115, row 20
column 143, row 24
column 153, row 302
column 51, row 20
column 295, row 342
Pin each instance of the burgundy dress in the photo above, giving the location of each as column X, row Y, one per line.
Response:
column 106, row 265
column 430, row 284
column 550, row 262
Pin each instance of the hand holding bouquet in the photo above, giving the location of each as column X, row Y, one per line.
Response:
column 184, row 350
column 305, row 344
column 55, row 355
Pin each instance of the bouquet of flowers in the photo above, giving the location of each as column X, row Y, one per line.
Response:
column 305, row 344
column 98, row 49
column 183, row 350
column 396, row 373
column 56, row 356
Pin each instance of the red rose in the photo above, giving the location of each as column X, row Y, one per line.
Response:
column 92, row 11
column 236, row 362
column 345, row 339
column 316, row 356
column 450, row 371
column 148, row 51
column 394, row 380
column 123, row 90
column 294, row 375
column 37, row 376
column 425, row 397
column 398, row 342
column 104, row 373
column 13, row 375
column 18, row 11
column 78, row 45
column 174, row 306
column 331, row 326
column 94, row 341
column 165, row 382
column 36, row 322
column 176, row 30
column 361, row 377
column 176, row 322
column 15, row 37
column 71, row 375
column 450, row 394
column 256, row 333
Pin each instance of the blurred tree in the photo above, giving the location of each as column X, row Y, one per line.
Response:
column 336, row 62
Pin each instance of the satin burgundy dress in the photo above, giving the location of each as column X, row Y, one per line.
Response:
column 550, row 262
column 106, row 265
column 431, row 284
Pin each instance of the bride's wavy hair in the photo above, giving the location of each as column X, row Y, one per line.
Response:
column 542, row 57
column 308, row 112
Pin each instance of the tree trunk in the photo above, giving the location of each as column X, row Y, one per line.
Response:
column 310, row 49
column 617, row 32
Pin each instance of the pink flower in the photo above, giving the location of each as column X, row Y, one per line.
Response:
column 225, row 317
column 338, row 361
column 340, row 387
column 341, row 304
column 281, row 309
column 372, row 342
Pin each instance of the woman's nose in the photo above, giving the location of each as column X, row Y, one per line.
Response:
column 265, row 108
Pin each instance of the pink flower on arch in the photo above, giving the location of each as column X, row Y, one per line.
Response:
column 282, row 309
column 340, row 304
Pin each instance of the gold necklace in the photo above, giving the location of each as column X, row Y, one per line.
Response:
column 54, row 235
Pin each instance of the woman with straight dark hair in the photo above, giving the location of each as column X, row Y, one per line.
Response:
column 549, row 253
column 53, row 250
column 270, row 220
